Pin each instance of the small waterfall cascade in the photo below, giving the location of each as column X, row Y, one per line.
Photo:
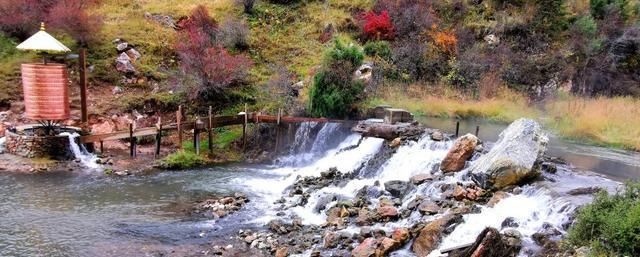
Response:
column 2, row 140
column 80, row 152
column 537, row 206
column 303, row 137
column 311, row 140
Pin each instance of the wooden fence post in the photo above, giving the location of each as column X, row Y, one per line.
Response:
column 244, row 128
column 83, row 85
column 101, row 147
column 179, row 125
column 477, row 130
column 457, row 128
column 210, row 128
column 196, row 136
column 159, row 137
column 132, row 142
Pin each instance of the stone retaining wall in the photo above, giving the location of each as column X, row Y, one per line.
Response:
column 56, row 147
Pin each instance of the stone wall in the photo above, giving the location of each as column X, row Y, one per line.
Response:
column 56, row 147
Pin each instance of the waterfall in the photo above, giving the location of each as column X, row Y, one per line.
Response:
column 540, row 205
column 308, row 145
column 2, row 140
column 80, row 152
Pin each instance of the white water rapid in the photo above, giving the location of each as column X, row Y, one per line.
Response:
column 2, row 140
column 87, row 159
column 540, row 205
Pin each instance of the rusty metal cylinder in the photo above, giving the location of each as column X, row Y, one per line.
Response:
column 46, row 91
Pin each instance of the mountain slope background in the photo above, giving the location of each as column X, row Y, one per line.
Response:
column 573, row 64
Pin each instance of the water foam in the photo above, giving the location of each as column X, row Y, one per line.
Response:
column 80, row 152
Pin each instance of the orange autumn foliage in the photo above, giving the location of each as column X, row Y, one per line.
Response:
column 445, row 41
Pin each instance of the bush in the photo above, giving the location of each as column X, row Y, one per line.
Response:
column 235, row 34
column 380, row 49
column 202, row 56
column 334, row 92
column 21, row 18
column 183, row 160
column 550, row 17
column 377, row 26
column 248, row 5
column 601, row 8
column 611, row 224
column 7, row 47
column 409, row 17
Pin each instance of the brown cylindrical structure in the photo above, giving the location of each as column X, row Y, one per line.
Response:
column 46, row 94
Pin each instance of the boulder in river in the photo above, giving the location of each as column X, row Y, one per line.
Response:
column 429, row 236
column 458, row 155
column 490, row 243
column 398, row 188
column 515, row 157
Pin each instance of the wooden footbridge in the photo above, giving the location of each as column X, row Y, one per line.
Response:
column 197, row 126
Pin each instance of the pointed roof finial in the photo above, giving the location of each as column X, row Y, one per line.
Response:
column 42, row 28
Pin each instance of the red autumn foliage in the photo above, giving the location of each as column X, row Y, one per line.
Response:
column 21, row 18
column 377, row 26
column 202, row 56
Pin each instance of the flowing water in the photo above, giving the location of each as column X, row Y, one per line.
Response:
column 67, row 214
column 81, row 154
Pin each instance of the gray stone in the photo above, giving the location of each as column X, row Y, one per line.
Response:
column 398, row 188
column 514, row 158
column 123, row 64
column 122, row 46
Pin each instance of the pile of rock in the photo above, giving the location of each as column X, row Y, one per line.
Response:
column 127, row 55
column 218, row 207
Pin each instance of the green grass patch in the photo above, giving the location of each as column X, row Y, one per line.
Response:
column 183, row 160
column 611, row 224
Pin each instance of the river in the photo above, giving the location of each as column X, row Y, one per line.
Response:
column 90, row 214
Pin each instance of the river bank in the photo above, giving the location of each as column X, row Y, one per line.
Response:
column 599, row 121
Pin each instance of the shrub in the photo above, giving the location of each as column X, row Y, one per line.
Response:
column 280, row 87
column 7, row 47
column 334, row 92
column 377, row 26
column 611, row 223
column 204, row 59
column 410, row 17
column 601, row 8
column 21, row 18
column 182, row 160
column 380, row 49
column 446, row 41
column 235, row 34
column 550, row 17
column 248, row 5
column 71, row 17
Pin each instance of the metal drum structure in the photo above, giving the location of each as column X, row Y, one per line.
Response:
column 46, row 92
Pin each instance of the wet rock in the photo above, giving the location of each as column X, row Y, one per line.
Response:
column 461, row 151
column 387, row 212
column 585, row 191
column 388, row 131
column 413, row 204
column 459, row 193
column 509, row 222
column 282, row 251
column 366, row 249
column 218, row 207
column 323, row 201
column 421, row 178
column 395, row 142
column 437, row 136
column 386, row 246
column 497, row 197
column 401, row 235
column 549, row 167
column 398, row 188
column 428, row 208
column 430, row 235
column 515, row 157
column 490, row 243
column 364, row 217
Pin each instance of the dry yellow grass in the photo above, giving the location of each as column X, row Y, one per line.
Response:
column 603, row 121
column 505, row 107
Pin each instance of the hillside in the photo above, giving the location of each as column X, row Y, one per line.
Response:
column 572, row 64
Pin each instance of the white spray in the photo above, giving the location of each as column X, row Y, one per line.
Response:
column 80, row 152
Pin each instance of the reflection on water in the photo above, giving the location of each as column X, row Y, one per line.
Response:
column 616, row 164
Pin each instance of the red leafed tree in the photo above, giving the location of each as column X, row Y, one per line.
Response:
column 377, row 26
column 71, row 17
column 21, row 18
column 204, row 58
